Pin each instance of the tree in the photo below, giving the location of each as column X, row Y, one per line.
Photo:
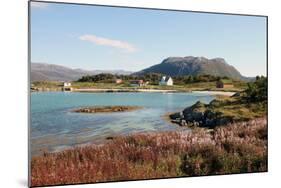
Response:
column 257, row 91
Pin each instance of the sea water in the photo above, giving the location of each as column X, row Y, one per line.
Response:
column 54, row 125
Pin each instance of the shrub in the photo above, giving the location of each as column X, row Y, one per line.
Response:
column 236, row 148
column 257, row 91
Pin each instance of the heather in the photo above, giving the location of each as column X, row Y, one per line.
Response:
column 236, row 148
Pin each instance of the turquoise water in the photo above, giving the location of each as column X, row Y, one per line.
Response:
column 54, row 126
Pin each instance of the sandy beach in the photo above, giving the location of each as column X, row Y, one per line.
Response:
column 225, row 93
column 123, row 90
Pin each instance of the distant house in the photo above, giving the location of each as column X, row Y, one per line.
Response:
column 224, row 83
column 137, row 83
column 118, row 81
column 67, row 86
column 166, row 81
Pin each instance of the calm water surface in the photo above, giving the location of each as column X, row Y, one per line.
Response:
column 55, row 127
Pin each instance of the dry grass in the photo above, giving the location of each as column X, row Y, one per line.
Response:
column 236, row 148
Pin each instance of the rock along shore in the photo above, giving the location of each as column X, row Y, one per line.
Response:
column 106, row 109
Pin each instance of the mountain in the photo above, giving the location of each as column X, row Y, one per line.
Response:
column 51, row 72
column 181, row 66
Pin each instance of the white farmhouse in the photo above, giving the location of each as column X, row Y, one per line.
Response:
column 166, row 81
column 66, row 84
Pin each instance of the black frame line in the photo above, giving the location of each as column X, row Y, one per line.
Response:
column 132, row 7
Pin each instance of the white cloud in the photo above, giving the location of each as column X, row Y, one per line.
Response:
column 108, row 42
column 34, row 4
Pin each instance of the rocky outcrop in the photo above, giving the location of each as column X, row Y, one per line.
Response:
column 106, row 109
column 201, row 115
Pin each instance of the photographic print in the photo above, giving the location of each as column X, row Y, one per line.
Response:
column 121, row 94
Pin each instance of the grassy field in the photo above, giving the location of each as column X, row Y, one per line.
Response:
column 220, row 111
column 47, row 84
column 186, row 87
column 236, row 148
column 240, row 111
column 237, row 108
column 52, row 85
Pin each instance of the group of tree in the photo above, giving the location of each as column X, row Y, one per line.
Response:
column 180, row 80
column 152, row 78
column 104, row 77
column 257, row 90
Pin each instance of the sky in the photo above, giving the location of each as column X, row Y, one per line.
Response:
column 110, row 38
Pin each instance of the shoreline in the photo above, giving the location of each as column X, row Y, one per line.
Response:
column 96, row 90
column 224, row 93
column 135, row 90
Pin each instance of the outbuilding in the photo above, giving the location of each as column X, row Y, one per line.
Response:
column 137, row 83
column 224, row 83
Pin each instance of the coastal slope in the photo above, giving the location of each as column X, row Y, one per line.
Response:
column 52, row 72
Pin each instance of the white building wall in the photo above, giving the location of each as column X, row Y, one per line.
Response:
column 66, row 84
column 170, row 82
column 164, row 83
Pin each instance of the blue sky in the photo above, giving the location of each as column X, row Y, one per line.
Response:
column 95, row 37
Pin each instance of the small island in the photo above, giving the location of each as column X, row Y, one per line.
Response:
column 106, row 109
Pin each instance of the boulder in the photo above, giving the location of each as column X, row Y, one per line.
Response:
column 201, row 115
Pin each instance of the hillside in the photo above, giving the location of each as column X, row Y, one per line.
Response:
column 172, row 66
column 181, row 66
column 51, row 72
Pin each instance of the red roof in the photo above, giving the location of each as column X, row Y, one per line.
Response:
column 136, row 81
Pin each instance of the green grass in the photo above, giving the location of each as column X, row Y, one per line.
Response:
column 186, row 87
column 126, row 85
column 80, row 85
column 47, row 84
column 220, row 111
column 238, row 109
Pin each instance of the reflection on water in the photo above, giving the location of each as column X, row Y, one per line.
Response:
column 54, row 126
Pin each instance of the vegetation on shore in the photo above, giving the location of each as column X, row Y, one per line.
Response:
column 107, row 81
column 106, row 109
column 237, row 145
column 180, row 82
column 236, row 148
column 243, row 106
column 152, row 78
column 46, row 86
